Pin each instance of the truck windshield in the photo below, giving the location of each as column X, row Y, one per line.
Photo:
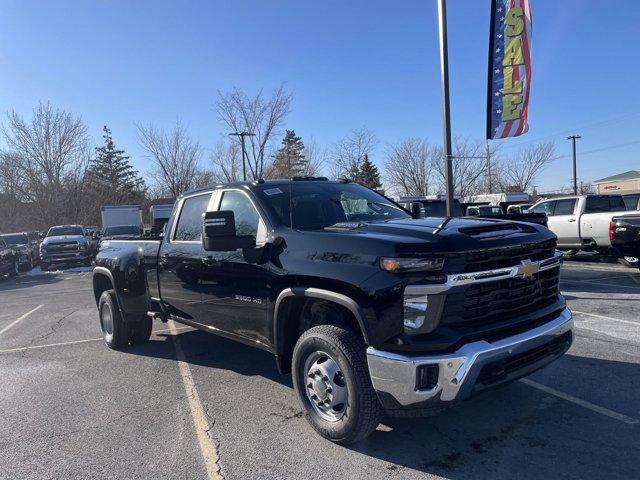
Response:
column 313, row 206
column 56, row 231
column 17, row 239
column 122, row 230
column 439, row 209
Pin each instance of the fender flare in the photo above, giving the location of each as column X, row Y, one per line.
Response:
column 328, row 295
column 107, row 273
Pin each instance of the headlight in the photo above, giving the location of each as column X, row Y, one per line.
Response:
column 397, row 265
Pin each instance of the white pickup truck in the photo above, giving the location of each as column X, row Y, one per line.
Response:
column 583, row 221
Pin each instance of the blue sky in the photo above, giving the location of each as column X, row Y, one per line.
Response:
column 349, row 64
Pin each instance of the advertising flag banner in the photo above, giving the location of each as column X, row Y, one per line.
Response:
column 509, row 68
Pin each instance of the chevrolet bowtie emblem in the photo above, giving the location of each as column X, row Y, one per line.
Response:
column 527, row 269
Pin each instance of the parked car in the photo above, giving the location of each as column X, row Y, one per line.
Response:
column 9, row 260
column 370, row 309
column 26, row 251
column 519, row 208
column 582, row 222
column 65, row 245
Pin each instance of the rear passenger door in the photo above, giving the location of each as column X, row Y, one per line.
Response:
column 180, row 264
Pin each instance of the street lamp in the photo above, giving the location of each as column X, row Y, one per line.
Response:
column 242, row 135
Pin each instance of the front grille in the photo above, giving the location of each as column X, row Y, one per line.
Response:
column 490, row 302
column 501, row 257
column 62, row 247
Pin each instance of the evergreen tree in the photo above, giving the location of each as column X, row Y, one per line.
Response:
column 367, row 174
column 112, row 178
column 290, row 160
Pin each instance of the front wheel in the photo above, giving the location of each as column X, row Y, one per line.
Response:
column 331, row 379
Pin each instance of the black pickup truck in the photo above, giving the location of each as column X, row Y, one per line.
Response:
column 624, row 233
column 370, row 309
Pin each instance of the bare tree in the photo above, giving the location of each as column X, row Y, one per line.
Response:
column 226, row 159
column 410, row 167
column 258, row 115
column 349, row 152
column 522, row 170
column 316, row 157
column 469, row 167
column 175, row 157
column 12, row 186
column 52, row 144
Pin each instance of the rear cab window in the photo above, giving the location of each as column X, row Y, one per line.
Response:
column 189, row 224
column 604, row 203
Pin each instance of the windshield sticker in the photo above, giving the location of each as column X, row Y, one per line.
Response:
column 272, row 191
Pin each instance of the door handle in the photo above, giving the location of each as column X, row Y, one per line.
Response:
column 209, row 261
column 571, row 220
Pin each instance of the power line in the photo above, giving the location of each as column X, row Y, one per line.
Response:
column 583, row 127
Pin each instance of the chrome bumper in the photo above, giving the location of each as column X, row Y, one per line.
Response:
column 395, row 374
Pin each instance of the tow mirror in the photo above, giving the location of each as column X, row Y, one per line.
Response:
column 219, row 233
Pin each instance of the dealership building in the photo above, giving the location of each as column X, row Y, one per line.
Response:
column 623, row 183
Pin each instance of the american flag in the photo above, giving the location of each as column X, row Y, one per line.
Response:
column 497, row 125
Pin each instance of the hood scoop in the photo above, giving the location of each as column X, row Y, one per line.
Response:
column 345, row 226
column 495, row 231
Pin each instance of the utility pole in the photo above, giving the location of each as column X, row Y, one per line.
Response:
column 489, row 167
column 446, row 114
column 242, row 135
column 573, row 139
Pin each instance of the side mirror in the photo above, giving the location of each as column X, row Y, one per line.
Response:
column 219, row 233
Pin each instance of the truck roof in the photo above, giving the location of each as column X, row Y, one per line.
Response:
column 255, row 183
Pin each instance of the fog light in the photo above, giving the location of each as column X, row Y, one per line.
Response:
column 415, row 311
column 427, row 377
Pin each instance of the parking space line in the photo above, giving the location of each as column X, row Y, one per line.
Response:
column 583, row 403
column 597, row 279
column 604, row 317
column 20, row 319
column 208, row 448
column 75, row 342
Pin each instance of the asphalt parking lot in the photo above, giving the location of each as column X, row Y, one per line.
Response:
column 192, row 405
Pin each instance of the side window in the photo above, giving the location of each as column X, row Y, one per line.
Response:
column 544, row 207
column 617, row 204
column 189, row 226
column 246, row 215
column 596, row 204
column 565, row 207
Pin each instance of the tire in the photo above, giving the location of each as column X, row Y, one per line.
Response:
column 141, row 330
column 115, row 331
column 361, row 412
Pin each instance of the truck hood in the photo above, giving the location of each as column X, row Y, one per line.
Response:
column 63, row 238
column 444, row 234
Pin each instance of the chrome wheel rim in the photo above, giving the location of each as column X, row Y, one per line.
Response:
column 325, row 386
column 106, row 319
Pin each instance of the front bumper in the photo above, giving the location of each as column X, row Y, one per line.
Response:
column 473, row 367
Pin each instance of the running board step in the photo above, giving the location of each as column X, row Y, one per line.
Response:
column 158, row 316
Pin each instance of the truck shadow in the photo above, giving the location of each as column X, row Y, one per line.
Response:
column 513, row 432
column 27, row 281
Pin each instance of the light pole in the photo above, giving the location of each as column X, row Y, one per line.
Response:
column 573, row 139
column 446, row 114
column 242, row 135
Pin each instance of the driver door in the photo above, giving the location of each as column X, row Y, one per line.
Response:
column 235, row 293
